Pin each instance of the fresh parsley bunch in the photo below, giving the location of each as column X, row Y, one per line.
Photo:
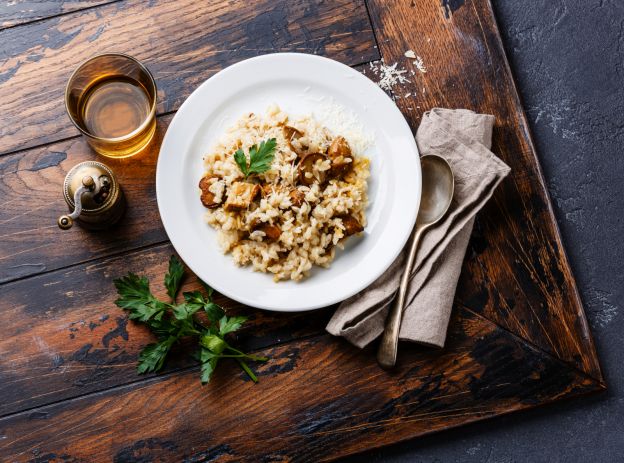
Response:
column 171, row 322
column 260, row 158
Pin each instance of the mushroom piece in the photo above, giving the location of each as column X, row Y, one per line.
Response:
column 351, row 225
column 292, row 136
column 266, row 189
column 271, row 232
column 296, row 197
column 291, row 133
column 269, row 188
column 208, row 197
column 341, row 157
column 306, row 169
column 240, row 196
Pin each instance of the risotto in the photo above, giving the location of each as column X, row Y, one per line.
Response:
column 284, row 192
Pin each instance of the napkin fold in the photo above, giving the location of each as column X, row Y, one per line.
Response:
column 463, row 138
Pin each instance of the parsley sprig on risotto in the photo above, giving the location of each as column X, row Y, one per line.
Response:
column 260, row 158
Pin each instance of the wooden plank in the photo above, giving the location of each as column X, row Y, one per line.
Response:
column 514, row 275
column 61, row 334
column 31, row 191
column 15, row 12
column 183, row 42
column 318, row 399
column 522, row 264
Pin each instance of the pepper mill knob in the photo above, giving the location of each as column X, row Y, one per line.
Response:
column 65, row 222
column 88, row 182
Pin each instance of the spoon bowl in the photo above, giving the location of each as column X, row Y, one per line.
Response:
column 438, row 186
column 437, row 189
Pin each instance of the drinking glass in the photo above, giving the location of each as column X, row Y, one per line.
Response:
column 111, row 99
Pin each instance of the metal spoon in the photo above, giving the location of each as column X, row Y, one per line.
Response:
column 437, row 193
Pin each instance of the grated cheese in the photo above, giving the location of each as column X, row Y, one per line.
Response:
column 345, row 122
column 420, row 65
column 388, row 75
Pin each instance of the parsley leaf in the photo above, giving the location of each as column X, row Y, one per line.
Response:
column 133, row 291
column 213, row 311
column 207, row 368
column 241, row 160
column 152, row 357
column 227, row 325
column 171, row 322
column 260, row 157
column 135, row 296
column 195, row 298
column 184, row 311
column 174, row 277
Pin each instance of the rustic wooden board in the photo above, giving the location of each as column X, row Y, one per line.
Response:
column 81, row 342
column 522, row 278
column 285, row 417
column 15, row 12
column 183, row 42
column 30, row 186
column 518, row 337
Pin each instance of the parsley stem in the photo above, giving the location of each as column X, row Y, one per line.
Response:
column 250, row 373
column 249, row 356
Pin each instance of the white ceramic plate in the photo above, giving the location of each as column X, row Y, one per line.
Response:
column 299, row 84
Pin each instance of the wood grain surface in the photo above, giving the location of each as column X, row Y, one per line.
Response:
column 518, row 337
column 15, row 12
column 317, row 399
column 182, row 42
column 521, row 278
column 72, row 337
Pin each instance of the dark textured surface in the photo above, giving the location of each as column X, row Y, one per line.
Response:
column 487, row 358
column 209, row 35
column 568, row 60
column 515, row 273
column 322, row 398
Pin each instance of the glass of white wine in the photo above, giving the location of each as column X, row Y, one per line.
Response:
column 111, row 99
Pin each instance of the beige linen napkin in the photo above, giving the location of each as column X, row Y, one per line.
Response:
column 463, row 138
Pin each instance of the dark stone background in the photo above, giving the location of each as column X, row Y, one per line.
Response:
column 568, row 60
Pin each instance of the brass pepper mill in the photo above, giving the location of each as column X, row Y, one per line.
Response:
column 93, row 196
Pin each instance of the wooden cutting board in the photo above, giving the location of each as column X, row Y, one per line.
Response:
column 518, row 337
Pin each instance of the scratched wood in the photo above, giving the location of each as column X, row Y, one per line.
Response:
column 14, row 12
column 483, row 372
column 80, row 342
column 183, row 42
column 518, row 337
column 521, row 278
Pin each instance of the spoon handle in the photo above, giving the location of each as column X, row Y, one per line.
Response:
column 387, row 353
